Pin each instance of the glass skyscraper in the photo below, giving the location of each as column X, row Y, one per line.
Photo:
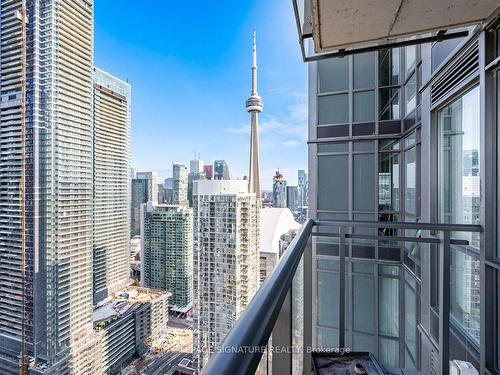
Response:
column 46, row 192
column 111, row 176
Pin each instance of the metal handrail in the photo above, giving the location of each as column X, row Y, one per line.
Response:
column 401, row 225
column 237, row 354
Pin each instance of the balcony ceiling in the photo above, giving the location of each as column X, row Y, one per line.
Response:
column 349, row 23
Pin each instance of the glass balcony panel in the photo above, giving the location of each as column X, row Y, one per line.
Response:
column 298, row 344
column 465, row 305
column 411, row 320
column 389, row 301
column 388, row 351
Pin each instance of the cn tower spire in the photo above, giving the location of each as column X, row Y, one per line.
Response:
column 254, row 66
column 254, row 106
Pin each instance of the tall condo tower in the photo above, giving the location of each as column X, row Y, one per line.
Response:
column 46, row 134
column 254, row 106
column 111, row 154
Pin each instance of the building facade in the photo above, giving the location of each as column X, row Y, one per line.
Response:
column 124, row 325
column 152, row 178
column 139, row 196
column 221, row 170
column 167, row 252
column 180, row 184
column 293, row 199
column 46, row 192
column 112, row 123
column 407, row 135
column 196, row 166
column 193, row 176
column 209, row 171
column 279, row 190
column 303, row 187
column 226, row 260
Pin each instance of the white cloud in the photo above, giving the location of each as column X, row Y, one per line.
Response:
column 291, row 143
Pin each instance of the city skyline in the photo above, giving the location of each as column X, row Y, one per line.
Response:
column 208, row 62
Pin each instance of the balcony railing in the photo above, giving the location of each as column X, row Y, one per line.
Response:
column 282, row 308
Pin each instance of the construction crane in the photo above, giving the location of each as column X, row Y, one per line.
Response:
column 22, row 17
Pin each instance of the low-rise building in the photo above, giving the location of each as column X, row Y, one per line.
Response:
column 123, row 325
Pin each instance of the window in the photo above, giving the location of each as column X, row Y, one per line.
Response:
column 459, row 203
column 333, row 147
column 388, row 306
column 363, row 182
column 411, row 321
column 388, row 62
column 441, row 51
column 364, row 106
column 364, row 70
column 363, row 307
column 410, row 59
column 333, row 109
column 411, row 93
column 333, row 75
column 459, row 174
column 389, row 104
column 332, row 182
column 464, row 292
column 411, row 181
column 388, row 181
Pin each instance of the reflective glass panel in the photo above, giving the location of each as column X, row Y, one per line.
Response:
column 459, row 174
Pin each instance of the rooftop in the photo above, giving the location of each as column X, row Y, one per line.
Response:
column 123, row 302
column 220, row 187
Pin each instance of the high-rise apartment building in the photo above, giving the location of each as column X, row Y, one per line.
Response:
column 168, row 183
column 152, row 178
column 167, row 252
column 193, row 176
column 221, row 170
column 46, row 171
column 227, row 243
column 180, row 184
column 140, row 194
column 112, row 122
column 293, row 199
column 279, row 190
column 303, row 185
column 196, row 165
column 226, row 259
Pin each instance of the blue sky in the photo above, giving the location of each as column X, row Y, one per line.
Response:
column 189, row 67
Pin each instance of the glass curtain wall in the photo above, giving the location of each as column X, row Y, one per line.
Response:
column 459, row 202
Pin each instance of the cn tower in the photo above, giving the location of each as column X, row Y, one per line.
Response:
column 254, row 106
